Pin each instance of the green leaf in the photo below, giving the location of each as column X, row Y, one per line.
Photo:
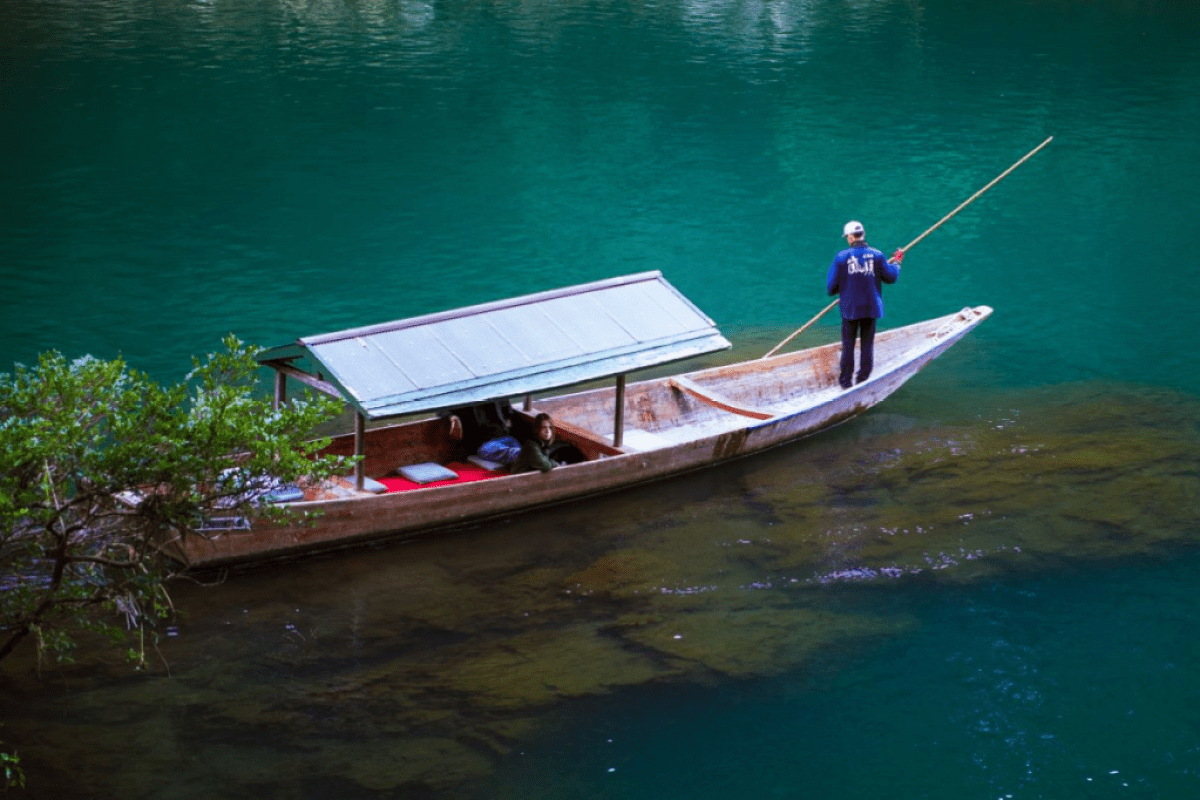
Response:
column 98, row 463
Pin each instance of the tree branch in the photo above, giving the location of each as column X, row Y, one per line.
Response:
column 104, row 562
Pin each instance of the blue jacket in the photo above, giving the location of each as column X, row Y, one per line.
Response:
column 858, row 274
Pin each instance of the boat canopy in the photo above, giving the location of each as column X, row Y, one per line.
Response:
column 503, row 349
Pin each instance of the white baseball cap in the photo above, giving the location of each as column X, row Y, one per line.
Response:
column 853, row 228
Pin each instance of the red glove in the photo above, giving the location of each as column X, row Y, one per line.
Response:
column 897, row 257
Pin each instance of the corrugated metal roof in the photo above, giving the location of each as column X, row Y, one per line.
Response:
column 510, row 347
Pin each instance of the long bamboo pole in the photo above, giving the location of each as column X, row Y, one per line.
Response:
column 911, row 244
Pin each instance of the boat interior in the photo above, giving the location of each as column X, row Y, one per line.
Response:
column 657, row 413
column 427, row 441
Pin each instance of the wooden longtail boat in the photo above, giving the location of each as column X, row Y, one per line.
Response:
column 629, row 434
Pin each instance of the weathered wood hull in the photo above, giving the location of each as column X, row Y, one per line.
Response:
column 671, row 427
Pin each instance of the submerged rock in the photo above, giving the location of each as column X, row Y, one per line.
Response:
column 541, row 667
column 758, row 642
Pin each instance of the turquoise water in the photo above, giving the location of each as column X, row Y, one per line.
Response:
column 1064, row 686
column 981, row 589
column 279, row 169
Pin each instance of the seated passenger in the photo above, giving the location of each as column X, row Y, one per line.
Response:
column 485, row 430
column 535, row 452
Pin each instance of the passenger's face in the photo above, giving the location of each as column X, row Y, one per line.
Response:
column 545, row 430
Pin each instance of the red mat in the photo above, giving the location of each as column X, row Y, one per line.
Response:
column 467, row 473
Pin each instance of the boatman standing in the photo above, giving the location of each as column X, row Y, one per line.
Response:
column 857, row 275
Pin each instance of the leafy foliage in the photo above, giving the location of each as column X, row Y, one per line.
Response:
column 13, row 774
column 101, row 467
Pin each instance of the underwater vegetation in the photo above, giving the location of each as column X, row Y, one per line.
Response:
column 409, row 669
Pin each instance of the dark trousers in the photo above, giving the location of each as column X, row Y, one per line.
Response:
column 854, row 329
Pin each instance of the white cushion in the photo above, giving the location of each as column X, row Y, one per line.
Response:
column 369, row 484
column 427, row 473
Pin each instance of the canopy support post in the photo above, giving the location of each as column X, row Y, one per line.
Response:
column 619, row 421
column 360, row 428
column 280, row 389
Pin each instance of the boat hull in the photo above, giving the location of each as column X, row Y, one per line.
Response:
column 671, row 432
